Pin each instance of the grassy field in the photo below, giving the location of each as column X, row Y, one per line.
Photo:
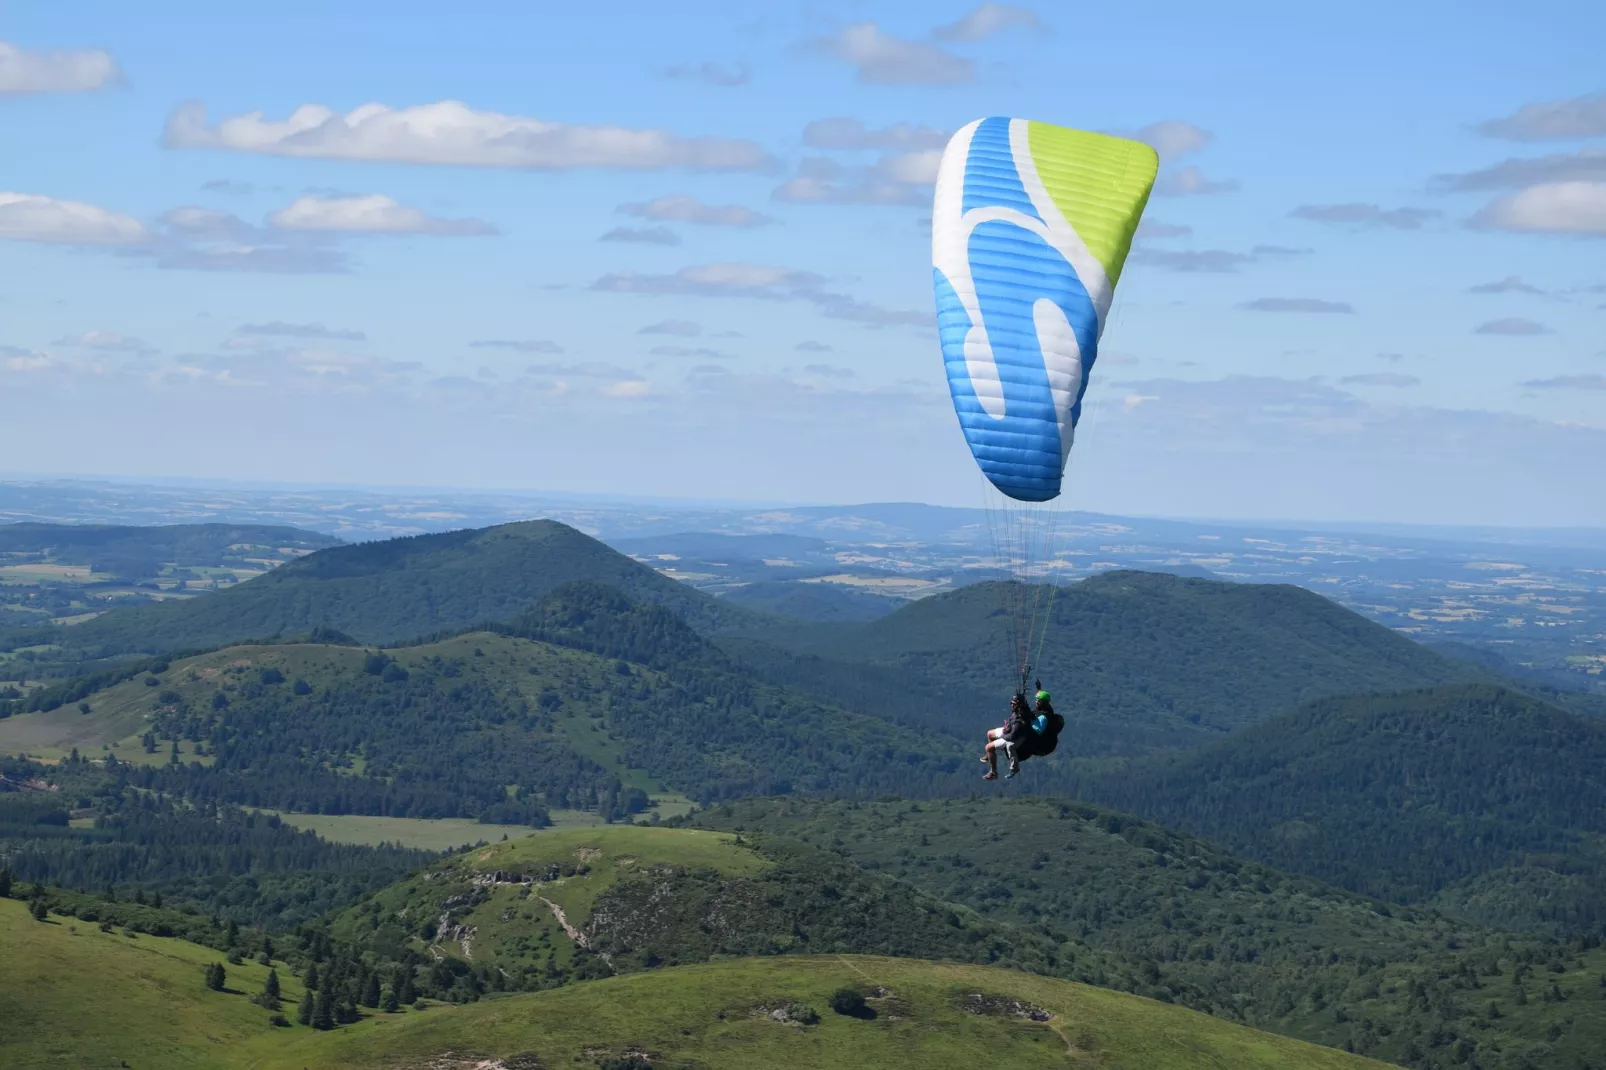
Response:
column 431, row 834
column 715, row 1017
column 76, row 998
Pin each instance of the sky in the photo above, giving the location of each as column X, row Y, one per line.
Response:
column 683, row 250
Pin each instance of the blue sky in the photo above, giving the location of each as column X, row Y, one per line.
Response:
column 683, row 249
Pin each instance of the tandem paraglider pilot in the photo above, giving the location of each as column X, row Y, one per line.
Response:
column 1029, row 731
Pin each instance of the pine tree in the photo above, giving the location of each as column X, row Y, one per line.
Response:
column 404, row 985
column 370, row 990
column 38, row 909
column 390, row 1004
column 216, row 976
column 311, row 980
column 304, row 1012
column 233, row 936
column 5, row 884
column 156, row 899
column 270, row 991
column 323, row 1013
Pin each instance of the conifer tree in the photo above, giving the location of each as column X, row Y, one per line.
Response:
column 270, row 991
column 5, row 884
column 370, row 990
column 390, row 1004
column 304, row 1012
column 323, row 1012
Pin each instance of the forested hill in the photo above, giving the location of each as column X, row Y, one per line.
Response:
column 1139, row 660
column 400, row 589
column 1401, row 796
column 139, row 551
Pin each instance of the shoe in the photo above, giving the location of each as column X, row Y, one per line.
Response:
column 989, row 776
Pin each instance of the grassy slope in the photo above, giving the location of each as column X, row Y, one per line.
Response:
column 1138, row 660
column 1242, row 941
column 76, row 998
column 400, row 589
column 704, row 1016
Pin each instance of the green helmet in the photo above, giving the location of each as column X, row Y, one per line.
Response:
column 1042, row 696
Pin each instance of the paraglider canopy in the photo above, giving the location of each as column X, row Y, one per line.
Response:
column 1031, row 225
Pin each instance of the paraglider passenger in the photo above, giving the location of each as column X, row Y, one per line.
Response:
column 1027, row 732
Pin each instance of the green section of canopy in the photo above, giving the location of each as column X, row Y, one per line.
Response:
column 1100, row 185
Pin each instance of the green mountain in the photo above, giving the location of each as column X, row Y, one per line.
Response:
column 401, row 589
column 1138, row 660
column 1402, row 796
column 587, row 701
column 151, row 1005
column 1179, row 920
column 811, row 601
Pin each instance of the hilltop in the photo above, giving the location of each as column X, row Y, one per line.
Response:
column 400, row 589
column 1402, row 796
column 152, row 1007
column 1142, row 660
column 1177, row 919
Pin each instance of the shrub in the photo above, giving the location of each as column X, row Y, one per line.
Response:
column 848, row 1001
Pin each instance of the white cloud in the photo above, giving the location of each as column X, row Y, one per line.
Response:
column 1586, row 165
column 1363, row 216
column 280, row 329
column 1553, row 208
column 1190, row 182
column 988, row 19
column 1509, row 284
column 1569, row 382
column 23, row 360
column 830, row 371
column 881, row 59
column 851, row 134
column 1296, row 304
column 917, row 168
column 1394, row 379
column 806, row 190
column 105, row 342
column 588, row 370
column 642, row 235
column 1170, row 138
column 1552, row 120
column 811, row 346
column 679, row 328
column 539, row 345
column 31, row 217
column 1205, row 261
column 206, row 224
column 628, row 388
column 368, row 213
column 710, row 73
column 1515, row 326
column 72, row 71
column 685, row 208
column 688, row 351
column 252, row 258
column 450, row 132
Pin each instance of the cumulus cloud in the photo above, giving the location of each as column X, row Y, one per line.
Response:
column 710, row 73
column 206, row 224
column 35, row 218
column 811, row 346
column 642, row 235
column 988, row 19
column 1297, row 304
column 1508, row 285
column 1170, row 138
column 1366, row 216
column 1381, row 379
column 249, row 258
column 1512, row 325
column 1552, row 120
column 450, row 132
column 903, row 178
column 17, row 359
column 684, row 208
column 1190, row 182
column 1586, row 165
column 829, row 371
column 628, row 388
column 368, row 213
column 539, row 345
column 678, row 328
column 1568, row 382
column 1552, row 208
column 105, row 342
column 881, row 59
column 68, row 71
column 280, row 329
column 845, row 134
